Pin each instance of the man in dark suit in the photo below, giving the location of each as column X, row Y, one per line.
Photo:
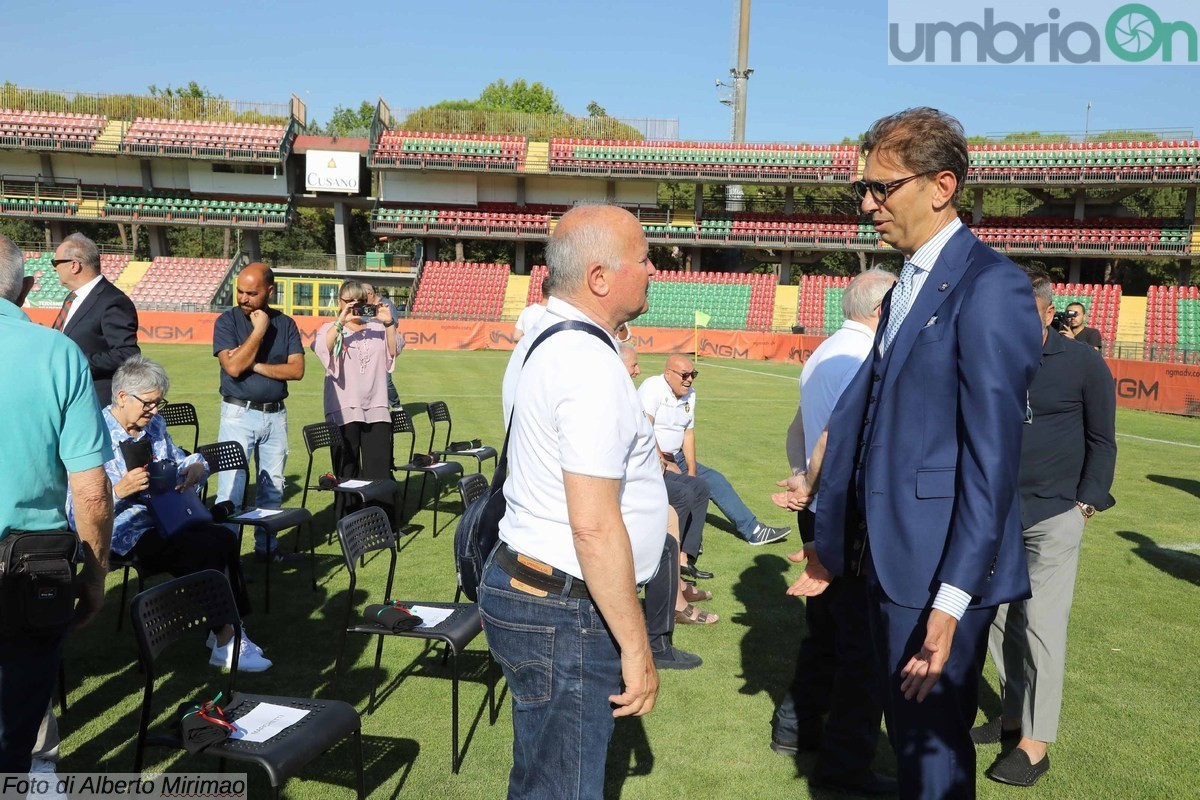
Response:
column 95, row 315
column 920, row 486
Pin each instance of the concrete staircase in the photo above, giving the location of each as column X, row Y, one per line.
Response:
column 787, row 298
column 1131, row 320
column 131, row 275
column 89, row 208
column 537, row 157
column 516, row 296
column 109, row 139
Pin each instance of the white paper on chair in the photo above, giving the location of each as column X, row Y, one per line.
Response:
column 353, row 484
column 257, row 513
column 431, row 617
column 264, row 721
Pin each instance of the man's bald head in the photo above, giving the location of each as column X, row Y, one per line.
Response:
column 585, row 236
column 255, row 285
column 675, row 370
column 629, row 357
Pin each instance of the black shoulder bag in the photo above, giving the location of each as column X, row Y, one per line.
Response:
column 37, row 582
column 478, row 530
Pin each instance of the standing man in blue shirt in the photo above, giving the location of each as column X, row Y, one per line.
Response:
column 260, row 351
column 53, row 435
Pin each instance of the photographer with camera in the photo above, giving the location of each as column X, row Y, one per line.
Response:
column 1068, row 455
column 1072, row 323
column 358, row 351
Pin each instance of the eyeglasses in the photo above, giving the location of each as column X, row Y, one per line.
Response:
column 880, row 190
column 56, row 262
column 150, row 405
column 687, row 376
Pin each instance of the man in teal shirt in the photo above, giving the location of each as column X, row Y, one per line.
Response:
column 51, row 433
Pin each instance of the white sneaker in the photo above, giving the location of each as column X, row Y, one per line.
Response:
column 43, row 769
column 250, row 657
column 211, row 642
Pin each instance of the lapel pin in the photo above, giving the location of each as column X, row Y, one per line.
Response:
column 943, row 287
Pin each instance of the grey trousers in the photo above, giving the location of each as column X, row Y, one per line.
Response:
column 1028, row 640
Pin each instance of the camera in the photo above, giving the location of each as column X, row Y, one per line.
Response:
column 1062, row 318
column 364, row 310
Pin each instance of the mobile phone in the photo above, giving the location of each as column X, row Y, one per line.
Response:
column 364, row 310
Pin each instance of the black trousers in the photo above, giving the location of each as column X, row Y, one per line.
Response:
column 689, row 497
column 365, row 454
column 835, row 675
column 195, row 549
column 660, row 595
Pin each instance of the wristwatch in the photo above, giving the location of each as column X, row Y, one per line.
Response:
column 1087, row 509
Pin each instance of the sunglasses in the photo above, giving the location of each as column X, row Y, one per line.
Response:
column 55, row 262
column 880, row 190
column 687, row 376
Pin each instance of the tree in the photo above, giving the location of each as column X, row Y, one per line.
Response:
column 346, row 121
column 529, row 98
column 594, row 109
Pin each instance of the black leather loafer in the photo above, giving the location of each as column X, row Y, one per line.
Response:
column 1015, row 770
column 690, row 571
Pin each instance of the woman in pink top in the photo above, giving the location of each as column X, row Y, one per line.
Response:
column 358, row 351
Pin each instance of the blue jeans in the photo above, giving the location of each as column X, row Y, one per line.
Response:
column 724, row 495
column 28, row 670
column 265, row 438
column 561, row 664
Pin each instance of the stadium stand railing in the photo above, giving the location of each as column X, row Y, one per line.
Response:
column 772, row 163
column 457, row 290
column 198, row 211
column 454, row 151
column 49, row 130
column 1046, row 235
column 202, row 139
column 1171, row 161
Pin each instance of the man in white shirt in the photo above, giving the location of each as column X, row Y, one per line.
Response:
column 670, row 402
column 586, row 518
column 834, row 672
column 530, row 317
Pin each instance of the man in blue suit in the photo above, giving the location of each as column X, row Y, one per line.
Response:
column 919, row 486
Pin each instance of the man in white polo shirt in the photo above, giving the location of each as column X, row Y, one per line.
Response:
column 586, row 518
column 670, row 402
column 833, row 705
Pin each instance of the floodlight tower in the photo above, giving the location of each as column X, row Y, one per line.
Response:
column 741, row 75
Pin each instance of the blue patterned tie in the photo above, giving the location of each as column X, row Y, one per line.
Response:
column 902, row 297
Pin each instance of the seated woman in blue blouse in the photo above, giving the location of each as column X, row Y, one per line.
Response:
column 139, row 390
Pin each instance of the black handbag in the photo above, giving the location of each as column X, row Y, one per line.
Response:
column 478, row 530
column 37, row 582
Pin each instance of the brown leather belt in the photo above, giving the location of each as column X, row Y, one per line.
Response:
column 552, row 582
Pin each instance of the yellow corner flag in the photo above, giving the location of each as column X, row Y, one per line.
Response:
column 702, row 319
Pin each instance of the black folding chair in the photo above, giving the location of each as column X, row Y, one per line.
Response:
column 231, row 457
column 471, row 488
column 125, row 563
column 182, row 415
column 183, row 608
column 322, row 435
column 366, row 531
column 441, row 471
column 439, row 413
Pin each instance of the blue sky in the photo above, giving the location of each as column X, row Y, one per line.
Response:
column 821, row 69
